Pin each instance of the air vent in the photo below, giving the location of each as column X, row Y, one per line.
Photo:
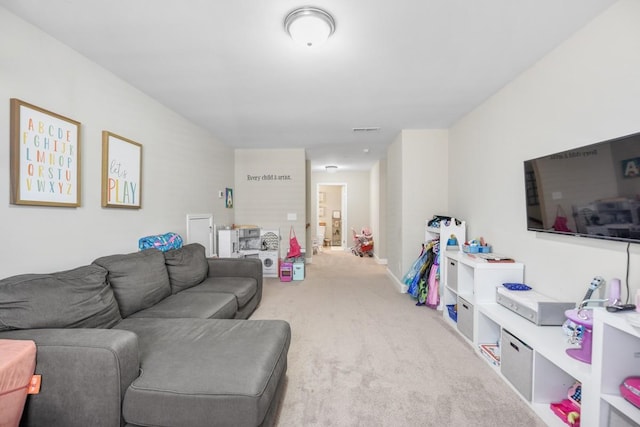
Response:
column 366, row 129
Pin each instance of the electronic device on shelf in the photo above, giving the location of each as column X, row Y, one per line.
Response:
column 533, row 306
column 596, row 283
column 615, row 303
column 620, row 307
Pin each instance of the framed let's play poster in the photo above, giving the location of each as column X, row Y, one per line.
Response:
column 44, row 157
column 121, row 172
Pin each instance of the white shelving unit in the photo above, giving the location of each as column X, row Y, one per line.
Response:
column 616, row 346
column 474, row 280
column 444, row 232
column 553, row 371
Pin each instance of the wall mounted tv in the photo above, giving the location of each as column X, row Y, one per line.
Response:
column 591, row 191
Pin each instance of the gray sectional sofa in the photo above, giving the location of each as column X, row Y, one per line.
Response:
column 149, row 339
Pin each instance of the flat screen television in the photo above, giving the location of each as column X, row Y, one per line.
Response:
column 591, row 191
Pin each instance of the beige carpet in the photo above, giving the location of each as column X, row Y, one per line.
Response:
column 362, row 354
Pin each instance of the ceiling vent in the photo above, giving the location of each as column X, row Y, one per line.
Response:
column 366, row 129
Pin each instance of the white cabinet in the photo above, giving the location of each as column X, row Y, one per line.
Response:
column 336, row 231
column 229, row 243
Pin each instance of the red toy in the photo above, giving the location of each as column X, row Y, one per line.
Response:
column 363, row 243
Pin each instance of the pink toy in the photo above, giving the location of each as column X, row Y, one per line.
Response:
column 630, row 390
column 584, row 318
column 567, row 411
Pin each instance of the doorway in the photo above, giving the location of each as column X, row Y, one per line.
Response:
column 331, row 209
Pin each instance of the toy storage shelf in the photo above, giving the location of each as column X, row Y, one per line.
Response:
column 443, row 233
column 553, row 371
column 474, row 280
column 616, row 355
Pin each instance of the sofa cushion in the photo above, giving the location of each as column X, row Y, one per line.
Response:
column 78, row 298
column 244, row 288
column 191, row 305
column 197, row 372
column 139, row 280
column 187, row 266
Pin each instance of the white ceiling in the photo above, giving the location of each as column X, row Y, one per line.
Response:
column 228, row 65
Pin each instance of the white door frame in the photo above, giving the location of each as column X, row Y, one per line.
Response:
column 346, row 231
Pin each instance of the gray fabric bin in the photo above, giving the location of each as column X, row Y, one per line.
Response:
column 452, row 274
column 516, row 363
column 465, row 318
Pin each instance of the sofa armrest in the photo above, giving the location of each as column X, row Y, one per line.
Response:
column 237, row 267
column 85, row 373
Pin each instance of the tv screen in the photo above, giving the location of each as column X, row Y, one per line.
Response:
column 591, row 191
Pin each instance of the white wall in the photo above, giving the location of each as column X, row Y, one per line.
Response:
column 182, row 164
column 377, row 209
column 585, row 91
column 270, row 185
column 394, row 208
column 416, row 189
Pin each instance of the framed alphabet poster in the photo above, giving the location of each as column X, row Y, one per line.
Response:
column 121, row 172
column 44, row 157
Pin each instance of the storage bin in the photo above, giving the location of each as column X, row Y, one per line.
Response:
column 470, row 249
column 453, row 312
column 452, row 274
column 516, row 363
column 465, row 318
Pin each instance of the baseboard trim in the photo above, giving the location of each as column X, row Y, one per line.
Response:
column 400, row 287
column 381, row 261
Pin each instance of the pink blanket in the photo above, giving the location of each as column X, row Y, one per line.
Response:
column 17, row 364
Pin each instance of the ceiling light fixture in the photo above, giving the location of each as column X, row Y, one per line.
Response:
column 331, row 168
column 309, row 25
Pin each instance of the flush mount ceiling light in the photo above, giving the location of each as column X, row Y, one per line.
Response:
column 309, row 25
column 331, row 168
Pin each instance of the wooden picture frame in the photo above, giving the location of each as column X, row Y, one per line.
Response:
column 44, row 157
column 121, row 172
column 228, row 198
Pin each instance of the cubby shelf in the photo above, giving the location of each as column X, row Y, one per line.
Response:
column 616, row 345
column 447, row 229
